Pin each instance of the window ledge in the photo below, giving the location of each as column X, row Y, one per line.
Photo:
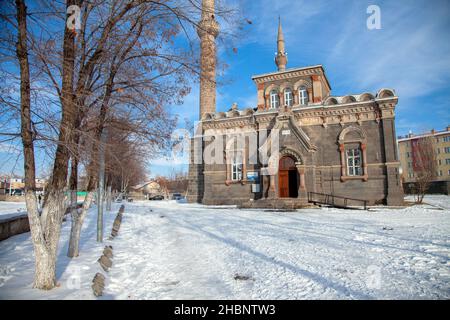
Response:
column 230, row 182
column 363, row 178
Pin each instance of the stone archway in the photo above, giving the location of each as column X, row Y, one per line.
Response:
column 295, row 174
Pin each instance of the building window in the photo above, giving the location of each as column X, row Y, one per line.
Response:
column 447, row 161
column 288, row 99
column 236, row 168
column 409, row 164
column 447, row 139
column 447, row 149
column 439, row 150
column 354, row 165
column 353, row 154
column 439, row 162
column 303, row 96
column 408, row 155
column 274, row 99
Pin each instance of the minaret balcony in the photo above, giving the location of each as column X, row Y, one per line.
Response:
column 208, row 26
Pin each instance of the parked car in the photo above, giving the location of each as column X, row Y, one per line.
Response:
column 156, row 197
column 177, row 196
column 17, row 192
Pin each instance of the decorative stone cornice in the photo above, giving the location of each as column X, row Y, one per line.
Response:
column 288, row 74
column 357, row 112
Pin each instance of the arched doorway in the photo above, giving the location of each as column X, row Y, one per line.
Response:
column 287, row 178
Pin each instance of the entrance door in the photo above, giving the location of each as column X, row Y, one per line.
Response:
column 287, row 178
column 283, row 183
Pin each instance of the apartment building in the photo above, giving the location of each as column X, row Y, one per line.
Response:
column 441, row 141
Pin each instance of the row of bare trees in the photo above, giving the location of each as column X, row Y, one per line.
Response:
column 177, row 181
column 78, row 70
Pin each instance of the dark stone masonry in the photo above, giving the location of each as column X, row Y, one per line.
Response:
column 339, row 145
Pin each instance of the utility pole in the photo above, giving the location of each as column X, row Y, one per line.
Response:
column 101, row 187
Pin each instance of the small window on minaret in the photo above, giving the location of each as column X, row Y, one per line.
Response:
column 288, row 98
column 303, row 95
column 274, row 99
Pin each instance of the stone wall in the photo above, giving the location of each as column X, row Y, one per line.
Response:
column 17, row 224
column 8, row 198
column 14, row 225
column 323, row 168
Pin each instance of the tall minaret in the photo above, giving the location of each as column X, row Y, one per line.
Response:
column 207, row 30
column 281, row 58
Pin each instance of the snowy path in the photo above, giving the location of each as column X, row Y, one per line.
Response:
column 167, row 250
column 185, row 251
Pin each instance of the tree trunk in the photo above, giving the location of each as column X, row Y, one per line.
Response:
column 44, row 260
column 75, row 228
column 77, row 224
column 45, row 229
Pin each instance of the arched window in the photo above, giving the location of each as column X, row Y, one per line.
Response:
column 303, row 96
column 274, row 99
column 288, row 98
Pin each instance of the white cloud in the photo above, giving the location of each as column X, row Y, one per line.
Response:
column 410, row 53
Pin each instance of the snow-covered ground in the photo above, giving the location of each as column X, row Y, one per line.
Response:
column 168, row 250
column 11, row 209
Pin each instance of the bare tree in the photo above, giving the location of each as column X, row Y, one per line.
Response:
column 163, row 183
column 119, row 70
column 424, row 166
column 128, row 82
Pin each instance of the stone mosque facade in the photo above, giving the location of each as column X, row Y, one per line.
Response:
column 333, row 145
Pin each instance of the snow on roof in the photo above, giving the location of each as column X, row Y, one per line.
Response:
column 423, row 135
column 140, row 186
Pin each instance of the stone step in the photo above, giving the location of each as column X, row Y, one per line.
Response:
column 277, row 204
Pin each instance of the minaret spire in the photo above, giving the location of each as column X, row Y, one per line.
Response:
column 281, row 58
column 208, row 30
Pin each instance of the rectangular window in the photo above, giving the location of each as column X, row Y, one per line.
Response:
column 236, row 168
column 288, row 100
column 447, row 161
column 274, row 100
column 447, row 139
column 354, row 162
column 447, row 149
column 408, row 155
column 303, row 96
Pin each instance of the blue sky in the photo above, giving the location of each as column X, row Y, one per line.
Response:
column 410, row 53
